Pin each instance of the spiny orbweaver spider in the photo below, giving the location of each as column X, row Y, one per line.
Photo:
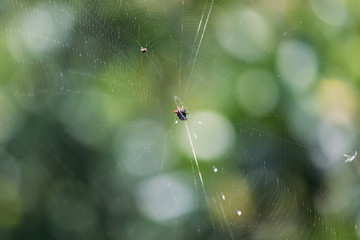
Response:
column 181, row 113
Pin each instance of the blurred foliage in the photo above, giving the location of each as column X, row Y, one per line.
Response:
column 89, row 148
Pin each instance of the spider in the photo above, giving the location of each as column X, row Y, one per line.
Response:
column 181, row 113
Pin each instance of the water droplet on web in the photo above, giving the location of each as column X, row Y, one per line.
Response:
column 80, row 54
column 200, row 122
column 239, row 212
column 195, row 135
column 214, row 168
column 223, row 196
column 176, row 122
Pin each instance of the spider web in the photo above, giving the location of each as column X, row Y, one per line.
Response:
column 92, row 149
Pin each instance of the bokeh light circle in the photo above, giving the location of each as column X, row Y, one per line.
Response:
column 213, row 135
column 257, row 92
column 297, row 64
column 164, row 198
column 245, row 34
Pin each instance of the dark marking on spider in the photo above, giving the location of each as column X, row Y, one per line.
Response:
column 181, row 113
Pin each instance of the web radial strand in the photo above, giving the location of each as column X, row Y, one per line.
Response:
column 199, row 45
column 181, row 44
column 199, row 172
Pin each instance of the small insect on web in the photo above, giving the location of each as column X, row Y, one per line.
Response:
column 143, row 50
column 350, row 158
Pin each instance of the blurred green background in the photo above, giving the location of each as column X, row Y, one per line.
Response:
column 90, row 147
